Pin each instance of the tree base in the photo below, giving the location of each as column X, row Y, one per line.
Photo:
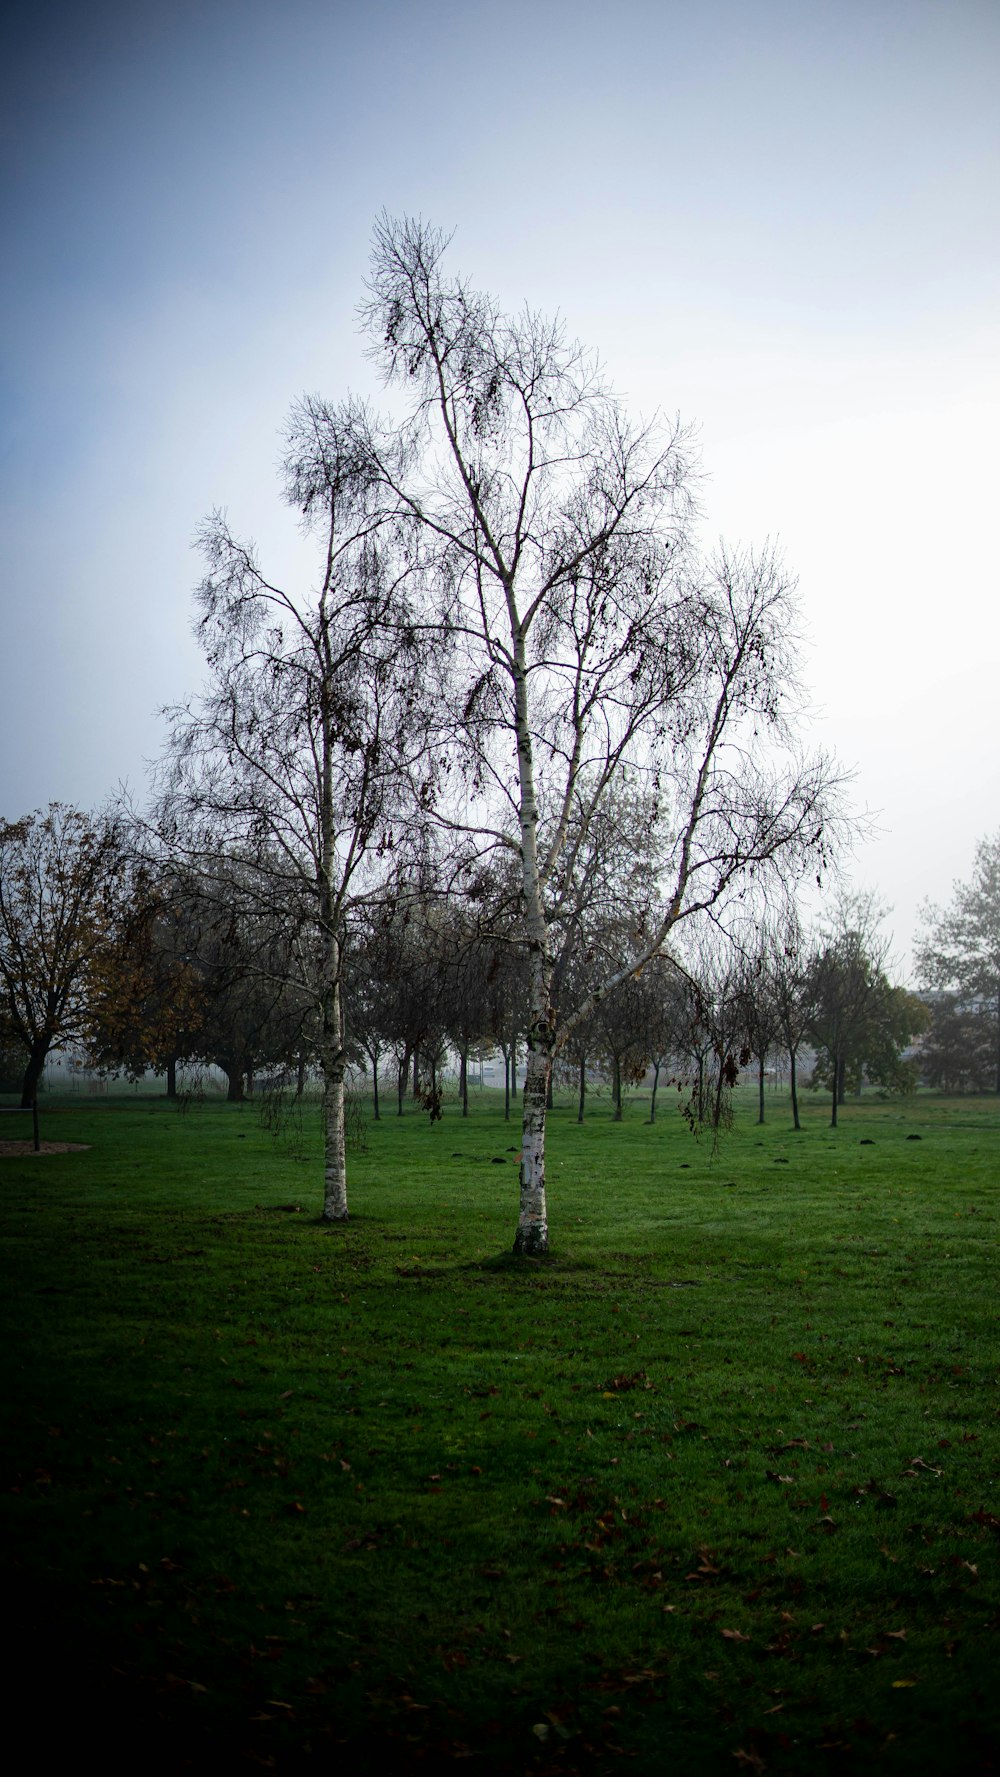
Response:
column 332, row 1215
column 531, row 1243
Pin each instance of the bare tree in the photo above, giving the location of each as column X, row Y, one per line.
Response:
column 788, row 972
column 712, row 1032
column 665, row 1019
column 624, row 1033
column 296, row 761
column 762, row 1023
column 590, row 650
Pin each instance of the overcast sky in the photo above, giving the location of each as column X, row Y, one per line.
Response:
column 779, row 217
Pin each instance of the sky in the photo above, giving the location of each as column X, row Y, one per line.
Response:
column 779, row 219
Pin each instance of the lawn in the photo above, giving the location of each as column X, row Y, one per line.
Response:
column 715, row 1487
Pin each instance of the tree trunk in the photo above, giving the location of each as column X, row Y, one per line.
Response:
column 300, row 1076
column 548, row 1093
column 835, row 1068
column 401, row 1074
column 795, row 1092
column 172, row 1077
column 532, row 1238
column 616, row 1090
column 841, row 1079
column 463, row 1080
column 335, row 1156
column 652, row 1101
column 235, row 1093
column 583, row 1089
column 33, row 1072
column 760, row 1089
column 375, row 1104
column 416, row 1074
column 334, row 1060
column 506, row 1085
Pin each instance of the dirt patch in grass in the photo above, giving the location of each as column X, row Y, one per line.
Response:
column 12, row 1148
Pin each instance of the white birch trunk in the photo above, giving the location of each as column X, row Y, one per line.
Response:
column 335, row 1156
column 334, row 1062
column 532, row 1236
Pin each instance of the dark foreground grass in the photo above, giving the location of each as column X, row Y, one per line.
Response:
column 714, row 1487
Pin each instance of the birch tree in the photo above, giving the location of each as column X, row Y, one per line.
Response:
column 590, row 649
column 287, row 781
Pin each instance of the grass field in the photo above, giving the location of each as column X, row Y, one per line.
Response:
column 715, row 1487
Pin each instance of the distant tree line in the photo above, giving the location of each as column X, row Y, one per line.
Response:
column 144, row 970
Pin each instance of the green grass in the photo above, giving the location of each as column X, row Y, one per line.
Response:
column 715, row 1487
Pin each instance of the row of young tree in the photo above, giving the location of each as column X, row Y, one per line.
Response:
column 516, row 703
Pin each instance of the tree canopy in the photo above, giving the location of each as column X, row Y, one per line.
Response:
column 959, row 948
column 62, row 880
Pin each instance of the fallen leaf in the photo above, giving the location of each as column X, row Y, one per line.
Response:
column 749, row 1760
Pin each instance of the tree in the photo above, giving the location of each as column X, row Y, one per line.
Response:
column 788, row 972
column 860, row 1023
column 13, row 1059
column 712, row 1033
column 590, row 650
column 62, row 877
column 398, row 958
column 762, row 1011
column 254, row 1015
column 665, row 1019
column 960, row 947
column 285, row 778
column 958, row 1053
column 148, row 993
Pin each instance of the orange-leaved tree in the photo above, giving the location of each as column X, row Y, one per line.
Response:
column 63, row 876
